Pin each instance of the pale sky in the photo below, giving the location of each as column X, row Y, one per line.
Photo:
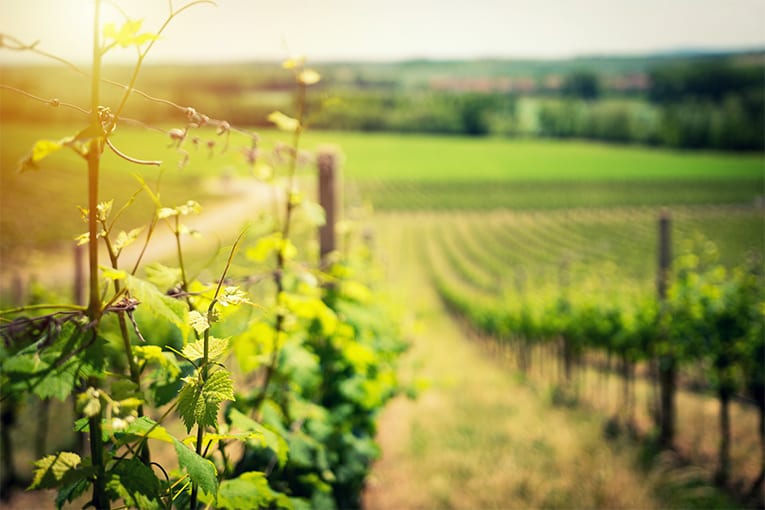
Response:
column 394, row 29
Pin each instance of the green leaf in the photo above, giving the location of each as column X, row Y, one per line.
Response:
column 263, row 248
column 270, row 244
column 249, row 491
column 43, row 148
column 356, row 291
column 125, row 239
column 166, row 212
column 71, row 491
column 219, row 387
column 216, row 348
column 146, row 427
column 232, row 295
column 113, row 274
column 59, row 382
column 284, row 122
column 51, row 471
column 162, row 276
column 104, row 209
column 128, row 34
column 198, row 404
column 83, row 239
column 154, row 353
column 201, row 471
column 135, row 483
column 190, row 207
column 161, row 305
column 265, row 438
column 199, row 323
column 188, row 399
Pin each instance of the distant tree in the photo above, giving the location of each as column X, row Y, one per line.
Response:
column 582, row 84
column 474, row 111
column 707, row 80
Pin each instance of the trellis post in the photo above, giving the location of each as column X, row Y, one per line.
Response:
column 327, row 160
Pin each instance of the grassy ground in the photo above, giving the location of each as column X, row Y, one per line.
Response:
column 442, row 158
column 483, row 437
column 426, row 172
column 38, row 209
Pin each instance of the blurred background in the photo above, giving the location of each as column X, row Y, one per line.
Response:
column 509, row 152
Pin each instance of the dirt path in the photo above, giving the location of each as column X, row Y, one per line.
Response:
column 481, row 436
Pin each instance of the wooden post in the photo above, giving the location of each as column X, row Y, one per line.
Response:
column 667, row 362
column 665, row 253
column 79, row 275
column 327, row 163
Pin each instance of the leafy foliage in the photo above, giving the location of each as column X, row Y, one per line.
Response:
column 55, row 470
column 200, row 470
column 153, row 336
column 198, row 402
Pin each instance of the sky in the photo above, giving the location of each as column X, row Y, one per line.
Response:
column 236, row 30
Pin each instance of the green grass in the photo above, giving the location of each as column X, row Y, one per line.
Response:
column 543, row 194
column 437, row 159
column 430, row 172
column 38, row 208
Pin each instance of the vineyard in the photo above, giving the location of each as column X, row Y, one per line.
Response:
column 286, row 318
column 571, row 294
column 514, row 284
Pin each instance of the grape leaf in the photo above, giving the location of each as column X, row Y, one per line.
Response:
column 187, row 402
column 51, row 471
column 265, row 438
column 284, row 122
column 249, row 491
column 135, row 483
column 125, row 239
column 219, row 387
column 270, row 244
column 162, row 276
column 198, row 404
column 232, row 295
column 128, row 34
column 159, row 304
column 71, row 491
column 201, row 471
column 216, row 348
column 146, row 427
column 155, row 353
column 199, row 323
column 41, row 150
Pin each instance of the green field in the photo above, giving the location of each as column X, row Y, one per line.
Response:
column 427, row 172
column 390, row 171
column 438, row 159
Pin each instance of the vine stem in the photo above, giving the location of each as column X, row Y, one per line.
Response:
column 204, row 366
column 280, row 259
column 25, row 308
column 95, row 146
column 135, row 375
